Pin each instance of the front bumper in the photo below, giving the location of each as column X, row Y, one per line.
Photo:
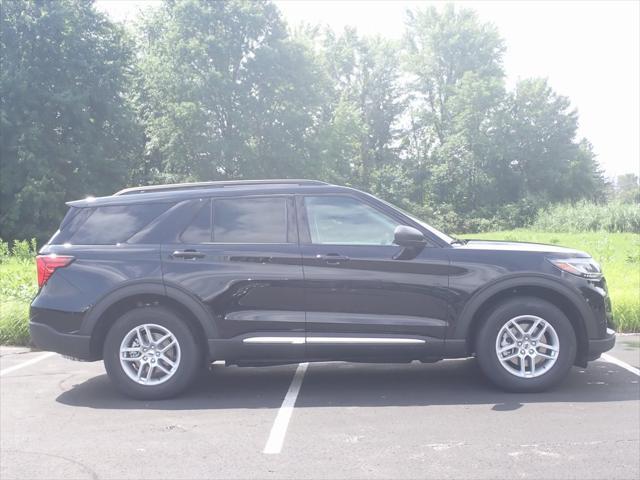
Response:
column 71, row 345
column 601, row 345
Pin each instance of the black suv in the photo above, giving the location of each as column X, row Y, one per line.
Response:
column 161, row 281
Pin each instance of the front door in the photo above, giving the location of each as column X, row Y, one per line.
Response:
column 240, row 257
column 364, row 297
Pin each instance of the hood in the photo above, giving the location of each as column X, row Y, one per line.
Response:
column 497, row 245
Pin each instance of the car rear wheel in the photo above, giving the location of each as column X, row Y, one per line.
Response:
column 150, row 353
column 526, row 344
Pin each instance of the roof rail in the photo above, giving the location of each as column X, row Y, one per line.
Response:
column 216, row 184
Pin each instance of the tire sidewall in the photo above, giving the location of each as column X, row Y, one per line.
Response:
column 488, row 359
column 189, row 353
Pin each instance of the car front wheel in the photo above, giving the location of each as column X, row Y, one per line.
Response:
column 526, row 344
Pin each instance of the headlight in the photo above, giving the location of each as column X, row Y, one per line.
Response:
column 582, row 267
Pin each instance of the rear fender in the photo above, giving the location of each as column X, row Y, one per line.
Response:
column 188, row 301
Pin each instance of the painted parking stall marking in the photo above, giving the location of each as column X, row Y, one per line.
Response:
column 26, row 363
column 279, row 428
column 608, row 358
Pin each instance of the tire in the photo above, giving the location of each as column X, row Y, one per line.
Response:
column 498, row 338
column 173, row 370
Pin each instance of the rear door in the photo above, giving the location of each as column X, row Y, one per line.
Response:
column 240, row 257
column 364, row 297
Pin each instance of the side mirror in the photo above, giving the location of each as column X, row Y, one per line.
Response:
column 406, row 236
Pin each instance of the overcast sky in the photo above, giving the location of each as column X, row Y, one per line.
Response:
column 589, row 51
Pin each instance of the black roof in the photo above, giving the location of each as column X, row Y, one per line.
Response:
column 184, row 191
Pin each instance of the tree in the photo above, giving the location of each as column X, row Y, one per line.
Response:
column 476, row 147
column 66, row 123
column 628, row 188
column 362, row 100
column 441, row 48
column 221, row 90
column 548, row 163
column 456, row 90
column 226, row 92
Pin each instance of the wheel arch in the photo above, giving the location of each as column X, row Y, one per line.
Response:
column 139, row 295
column 543, row 287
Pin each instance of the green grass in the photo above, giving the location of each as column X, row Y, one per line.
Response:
column 618, row 255
column 589, row 217
column 18, row 286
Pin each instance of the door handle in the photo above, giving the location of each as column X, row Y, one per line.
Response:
column 332, row 258
column 187, row 254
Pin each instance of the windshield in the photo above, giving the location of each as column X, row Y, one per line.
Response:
column 435, row 231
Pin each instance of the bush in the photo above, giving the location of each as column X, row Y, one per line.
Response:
column 589, row 217
column 615, row 217
column 23, row 250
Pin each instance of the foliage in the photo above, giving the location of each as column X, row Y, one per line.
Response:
column 628, row 188
column 67, row 128
column 618, row 255
column 18, row 286
column 221, row 90
column 589, row 217
column 225, row 92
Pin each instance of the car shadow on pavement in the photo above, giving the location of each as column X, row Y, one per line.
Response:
column 362, row 385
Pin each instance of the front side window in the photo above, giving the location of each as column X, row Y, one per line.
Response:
column 250, row 220
column 343, row 220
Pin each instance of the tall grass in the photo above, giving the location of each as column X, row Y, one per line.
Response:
column 589, row 217
column 18, row 286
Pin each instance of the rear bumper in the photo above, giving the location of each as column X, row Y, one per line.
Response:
column 71, row 345
column 601, row 345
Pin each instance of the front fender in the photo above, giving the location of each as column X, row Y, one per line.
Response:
column 520, row 281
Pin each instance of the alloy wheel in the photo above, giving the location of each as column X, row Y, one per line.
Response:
column 527, row 346
column 150, row 354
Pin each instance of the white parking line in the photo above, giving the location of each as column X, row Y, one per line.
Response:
column 26, row 364
column 279, row 428
column 620, row 363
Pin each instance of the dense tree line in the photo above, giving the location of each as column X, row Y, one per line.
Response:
column 204, row 90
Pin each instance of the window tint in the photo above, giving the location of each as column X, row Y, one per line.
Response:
column 74, row 218
column 250, row 220
column 199, row 231
column 115, row 224
column 347, row 221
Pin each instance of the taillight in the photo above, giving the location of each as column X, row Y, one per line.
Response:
column 47, row 264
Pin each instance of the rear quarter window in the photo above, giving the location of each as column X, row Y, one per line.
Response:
column 109, row 225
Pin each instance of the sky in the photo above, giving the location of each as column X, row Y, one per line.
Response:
column 588, row 50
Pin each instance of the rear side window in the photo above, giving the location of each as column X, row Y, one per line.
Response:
column 250, row 220
column 114, row 224
column 199, row 230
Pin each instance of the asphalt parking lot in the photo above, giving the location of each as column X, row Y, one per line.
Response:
column 62, row 419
